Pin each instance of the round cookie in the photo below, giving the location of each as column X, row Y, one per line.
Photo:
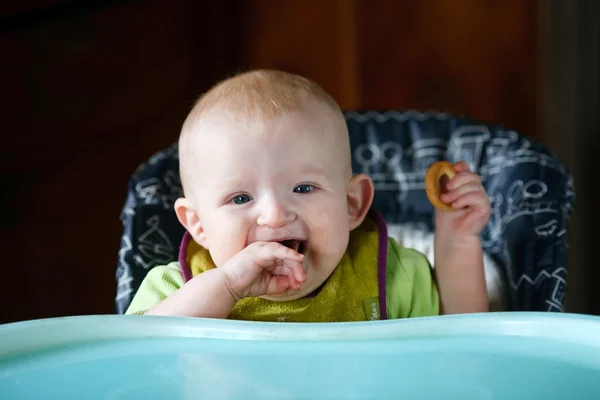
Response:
column 432, row 179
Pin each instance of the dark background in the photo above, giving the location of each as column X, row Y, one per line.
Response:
column 90, row 89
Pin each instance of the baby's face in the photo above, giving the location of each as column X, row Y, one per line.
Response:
column 283, row 180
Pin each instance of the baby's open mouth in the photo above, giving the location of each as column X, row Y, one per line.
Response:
column 298, row 245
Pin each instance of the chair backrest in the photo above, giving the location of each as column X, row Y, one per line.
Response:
column 530, row 189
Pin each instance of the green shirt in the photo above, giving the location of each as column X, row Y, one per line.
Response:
column 411, row 290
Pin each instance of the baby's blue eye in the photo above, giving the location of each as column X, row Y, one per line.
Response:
column 241, row 199
column 303, row 188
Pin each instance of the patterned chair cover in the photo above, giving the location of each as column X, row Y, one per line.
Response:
column 531, row 193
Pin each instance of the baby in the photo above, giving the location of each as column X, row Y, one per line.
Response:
column 278, row 228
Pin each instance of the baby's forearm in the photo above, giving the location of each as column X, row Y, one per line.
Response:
column 460, row 276
column 205, row 296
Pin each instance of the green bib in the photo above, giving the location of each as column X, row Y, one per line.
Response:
column 353, row 292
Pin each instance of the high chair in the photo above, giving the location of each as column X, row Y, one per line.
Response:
column 530, row 189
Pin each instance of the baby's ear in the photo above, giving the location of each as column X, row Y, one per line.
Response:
column 360, row 197
column 188, row 217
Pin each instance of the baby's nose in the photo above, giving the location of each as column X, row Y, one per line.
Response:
column 275, row 215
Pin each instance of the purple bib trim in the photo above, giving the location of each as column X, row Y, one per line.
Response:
column 186, row 271
column 381, row 260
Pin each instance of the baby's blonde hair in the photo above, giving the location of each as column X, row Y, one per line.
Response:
column 255, row 95
column 261, row 93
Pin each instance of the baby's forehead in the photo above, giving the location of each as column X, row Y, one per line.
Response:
column 316, row 124
column 287, row 134
column 312, row 127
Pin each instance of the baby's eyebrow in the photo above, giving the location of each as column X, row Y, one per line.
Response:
column 230, row 183
column 314, row 173
column 311, row 170
column 231, row 179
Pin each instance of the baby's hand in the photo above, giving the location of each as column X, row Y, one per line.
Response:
column 263, row 268
column 468, row 197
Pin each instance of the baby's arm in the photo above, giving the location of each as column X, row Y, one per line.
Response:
column 205, row 295
column 460, row 275
column 164, row 292
column 458, row 253
column 261, row 268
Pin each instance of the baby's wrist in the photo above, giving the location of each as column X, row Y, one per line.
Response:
column 226, row 282
column 222, row 284
column 459, row 242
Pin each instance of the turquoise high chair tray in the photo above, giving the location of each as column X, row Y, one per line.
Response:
column 488, row 356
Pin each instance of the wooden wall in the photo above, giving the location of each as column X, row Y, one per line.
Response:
column 469, row 56
column 92, row 89
column 92, row 92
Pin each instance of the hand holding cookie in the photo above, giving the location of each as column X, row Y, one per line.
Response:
column 458, row 192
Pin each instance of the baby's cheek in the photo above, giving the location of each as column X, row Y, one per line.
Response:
column 329, row 238
column 229, row 243
column 223, row 254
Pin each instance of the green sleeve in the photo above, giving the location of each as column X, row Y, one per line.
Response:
column 159, row 283
column 411, row 290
